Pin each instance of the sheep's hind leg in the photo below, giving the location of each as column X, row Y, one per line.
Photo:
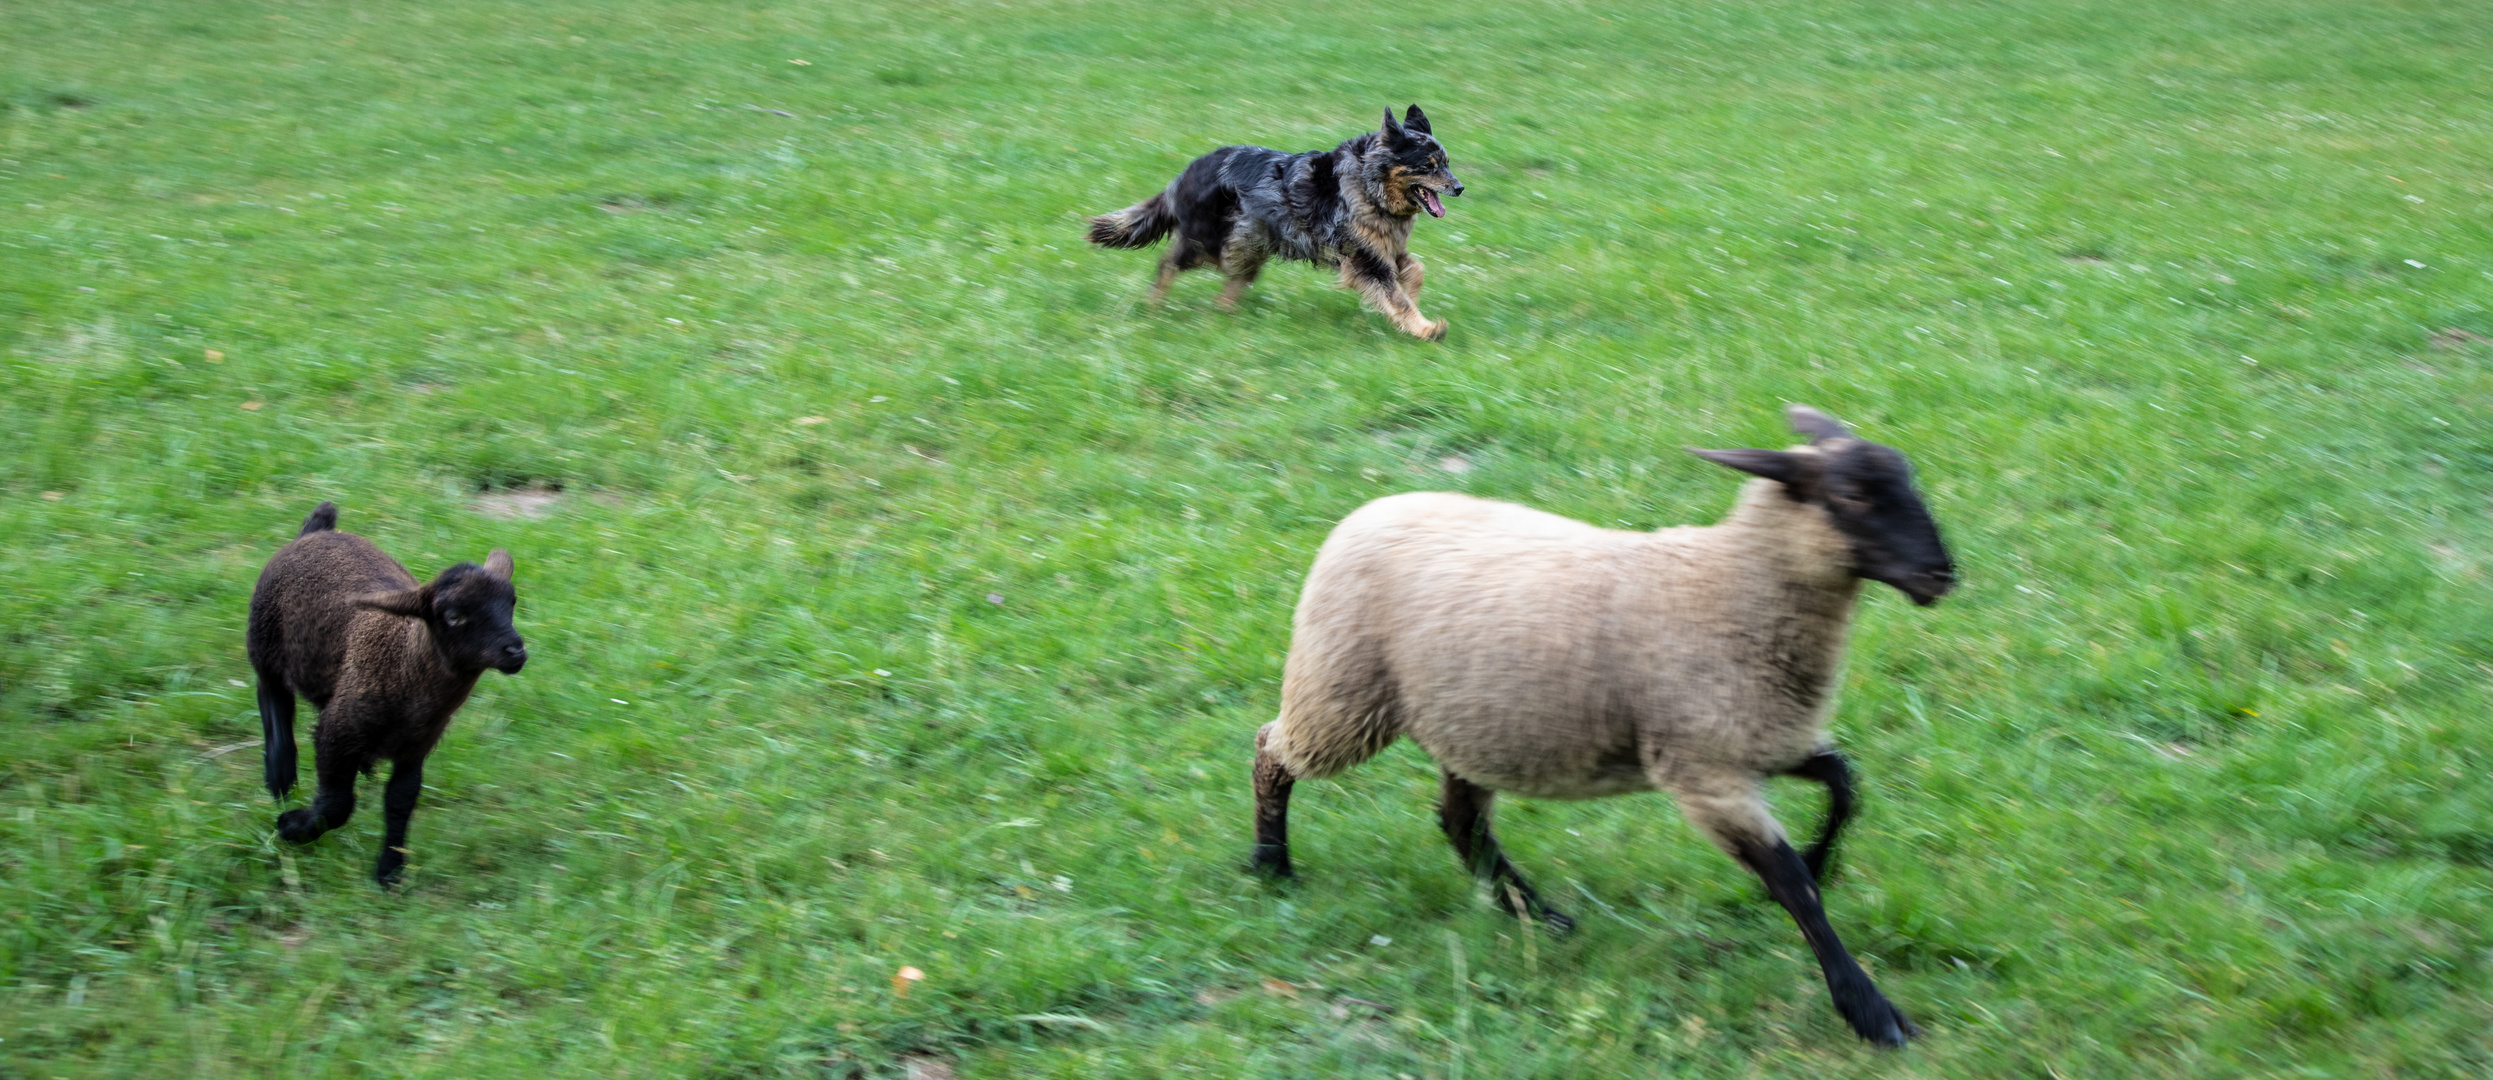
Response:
column 1272, row 809
column 1463, row 810
column 1829, row 768
column 277, row 762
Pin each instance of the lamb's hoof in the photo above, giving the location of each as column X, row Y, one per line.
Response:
column 279, row 776
column 390, row 869
column 1271, row 862
column 297, row 826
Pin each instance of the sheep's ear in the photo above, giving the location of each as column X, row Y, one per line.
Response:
column 1817, row 425
column 1780, row 466
column 416, row 603
column 1416, row 120
column 499, row 564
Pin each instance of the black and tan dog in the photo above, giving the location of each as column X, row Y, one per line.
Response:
column 1349, row 208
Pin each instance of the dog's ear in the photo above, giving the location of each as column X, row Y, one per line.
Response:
column 1416, row 120
column 1393, row 131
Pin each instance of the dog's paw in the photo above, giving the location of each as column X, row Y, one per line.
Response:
column 1435, row 331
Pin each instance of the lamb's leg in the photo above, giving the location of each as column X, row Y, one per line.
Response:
column 276, row 733
column 1272, row 810
column 1463, row 810
column 1829, row 768
column 1740, row 824
column 332, row 803
column 398, row 803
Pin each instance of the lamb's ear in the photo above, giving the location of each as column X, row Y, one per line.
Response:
column 1416, row 120
column 415, row 603
column 1781, row 466
column 1817, row 425
column 1393, row 131
column 499, row 564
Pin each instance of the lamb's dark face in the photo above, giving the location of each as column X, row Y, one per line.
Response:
column 1418, row 172
column 471, row 616
column 1868, row 489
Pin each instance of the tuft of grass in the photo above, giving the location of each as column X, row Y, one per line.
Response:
column 901, row 593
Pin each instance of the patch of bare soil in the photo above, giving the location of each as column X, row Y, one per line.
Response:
column 526, row 503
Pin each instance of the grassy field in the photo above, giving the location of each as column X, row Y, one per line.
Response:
column 901, row 592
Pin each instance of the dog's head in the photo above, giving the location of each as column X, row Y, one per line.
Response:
column 1416, row 172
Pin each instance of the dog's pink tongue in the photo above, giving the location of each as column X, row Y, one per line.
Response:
column 1428, row 200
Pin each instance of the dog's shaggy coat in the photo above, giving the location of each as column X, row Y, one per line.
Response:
column 1348, row 208
column 1534, row 654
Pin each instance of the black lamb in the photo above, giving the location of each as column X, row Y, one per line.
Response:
column 385, row 659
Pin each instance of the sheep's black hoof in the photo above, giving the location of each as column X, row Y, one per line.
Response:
column 1877, row 1021
column 1271, row 861
column 298, row 826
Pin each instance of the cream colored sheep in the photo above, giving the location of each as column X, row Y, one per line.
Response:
column 1534, row 654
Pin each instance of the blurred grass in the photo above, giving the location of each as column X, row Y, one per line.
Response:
column 912, row 594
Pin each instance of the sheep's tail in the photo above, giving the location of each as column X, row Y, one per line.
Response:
column 1135, row 226
column 323, row 519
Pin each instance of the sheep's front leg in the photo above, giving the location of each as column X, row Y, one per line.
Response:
column 1740, row 824
column 398, row 803
column 1829, row 768
column 1463, row 811
column 1272, row 809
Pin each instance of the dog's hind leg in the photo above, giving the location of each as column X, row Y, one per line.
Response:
column 1169, row 268
column 1241, row 259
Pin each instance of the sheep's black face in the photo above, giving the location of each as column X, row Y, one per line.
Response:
column 471, row 617
column 1868, row 490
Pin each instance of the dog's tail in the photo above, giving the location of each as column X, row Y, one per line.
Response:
column 1139, row 225
column 324, row 518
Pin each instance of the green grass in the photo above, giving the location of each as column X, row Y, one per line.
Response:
column 913, row 594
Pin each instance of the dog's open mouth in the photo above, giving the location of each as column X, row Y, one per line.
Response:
column 1428, row 201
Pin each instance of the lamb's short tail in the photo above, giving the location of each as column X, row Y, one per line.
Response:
column 323, row 519
column 1135, row 226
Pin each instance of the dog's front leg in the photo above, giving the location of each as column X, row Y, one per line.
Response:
column 1382, row 287
column 1408, row 269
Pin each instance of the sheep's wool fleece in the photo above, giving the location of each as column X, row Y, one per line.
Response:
column 1536, row 654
